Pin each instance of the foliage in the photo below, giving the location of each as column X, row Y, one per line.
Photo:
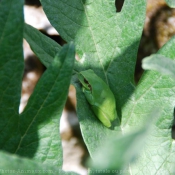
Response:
column 106, row 42
column 171, row 3
column 159, row 63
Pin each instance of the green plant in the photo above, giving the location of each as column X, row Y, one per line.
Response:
column 99, row 96
column 171, row 3
column 107, row 43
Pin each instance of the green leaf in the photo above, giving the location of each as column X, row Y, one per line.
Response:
column 39, row 123
column 171, row 3
column 159, row 63
column 35, row 133
column 11, row 69
column 14, row 165
column 44, row 47
column 124, row 149
column 107, row 43
column 154, row 90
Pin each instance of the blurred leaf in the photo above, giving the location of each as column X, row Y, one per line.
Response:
column 159, row 63
column 171, row 3
column 117, row 153
column 44, row 47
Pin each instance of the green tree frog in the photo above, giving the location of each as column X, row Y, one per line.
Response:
column 99, row 96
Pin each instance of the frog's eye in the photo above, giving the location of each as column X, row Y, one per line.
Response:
column 88, row 85
column 85, row 83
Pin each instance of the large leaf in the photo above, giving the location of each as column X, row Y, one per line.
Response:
column 39, row 123
column 14, row 165
column 154, row 90
column 106, row 42
column 44, row 47
column 11, row 70
column 102, row 36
